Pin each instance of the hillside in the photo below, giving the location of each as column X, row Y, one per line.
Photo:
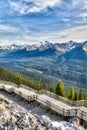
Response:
column 48, row 62
column 6, row 75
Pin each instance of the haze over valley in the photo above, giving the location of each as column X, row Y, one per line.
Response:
column 48, row 62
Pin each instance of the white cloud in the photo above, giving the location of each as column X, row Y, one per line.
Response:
column 83, row 17
column 75, row 4
column 9, row 29
column 78, row 34
column 8, row 34
column 31, row 6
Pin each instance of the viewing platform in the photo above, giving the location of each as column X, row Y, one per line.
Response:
column 51, row 103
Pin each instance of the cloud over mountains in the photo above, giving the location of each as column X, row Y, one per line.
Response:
column 33, row 21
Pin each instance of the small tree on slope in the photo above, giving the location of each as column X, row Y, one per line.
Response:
column 71, row 94
column 18, row 79
column 80, row 94
column 60, row 88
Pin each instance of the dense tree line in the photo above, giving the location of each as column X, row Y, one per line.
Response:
column 72, row 94
column 18, row 79
column 59, row 89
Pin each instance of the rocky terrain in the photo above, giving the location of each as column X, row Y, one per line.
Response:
column 13, row 116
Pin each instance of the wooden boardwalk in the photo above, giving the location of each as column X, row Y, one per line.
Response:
column 26, row 94
column 53, row 104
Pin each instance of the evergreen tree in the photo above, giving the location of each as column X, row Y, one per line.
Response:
column 76, row 96
column 60, row 88
column 80, row 94
column 71, row 94
column 39, row 85
column 85, row 97
column 52, row 89
column 18, row 79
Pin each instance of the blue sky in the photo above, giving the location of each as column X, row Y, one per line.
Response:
column 35, row 21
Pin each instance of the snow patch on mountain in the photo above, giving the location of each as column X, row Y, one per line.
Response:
column 85, row 47
column 61, row 47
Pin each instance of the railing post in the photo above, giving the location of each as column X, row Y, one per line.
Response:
column 76, row 112
column 28, row 98
column 63, row 111
column 48, row 104
column 72, row 103
column 82, row 115
column 7, row 124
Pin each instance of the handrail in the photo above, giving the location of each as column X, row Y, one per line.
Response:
column 65, row 100
column 52, row 95
column 67, row 111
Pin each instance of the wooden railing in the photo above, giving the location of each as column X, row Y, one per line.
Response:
column 11, row 88
column 80, row 111
column 71, row 112
column 52, row 95
column 29, row 88
column 65, row 100
column 8, row 83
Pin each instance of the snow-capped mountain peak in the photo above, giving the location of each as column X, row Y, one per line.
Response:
column 62, row 47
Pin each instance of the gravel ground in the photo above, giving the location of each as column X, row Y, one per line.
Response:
column 35, row 108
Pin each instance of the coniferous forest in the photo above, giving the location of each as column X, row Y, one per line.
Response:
column 59, row 88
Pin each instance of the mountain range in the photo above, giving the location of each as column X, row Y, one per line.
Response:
column 66, row 61
column 62, row 47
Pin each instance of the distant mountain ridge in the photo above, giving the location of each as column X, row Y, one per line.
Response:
column 67, row 61
column 62, row 47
